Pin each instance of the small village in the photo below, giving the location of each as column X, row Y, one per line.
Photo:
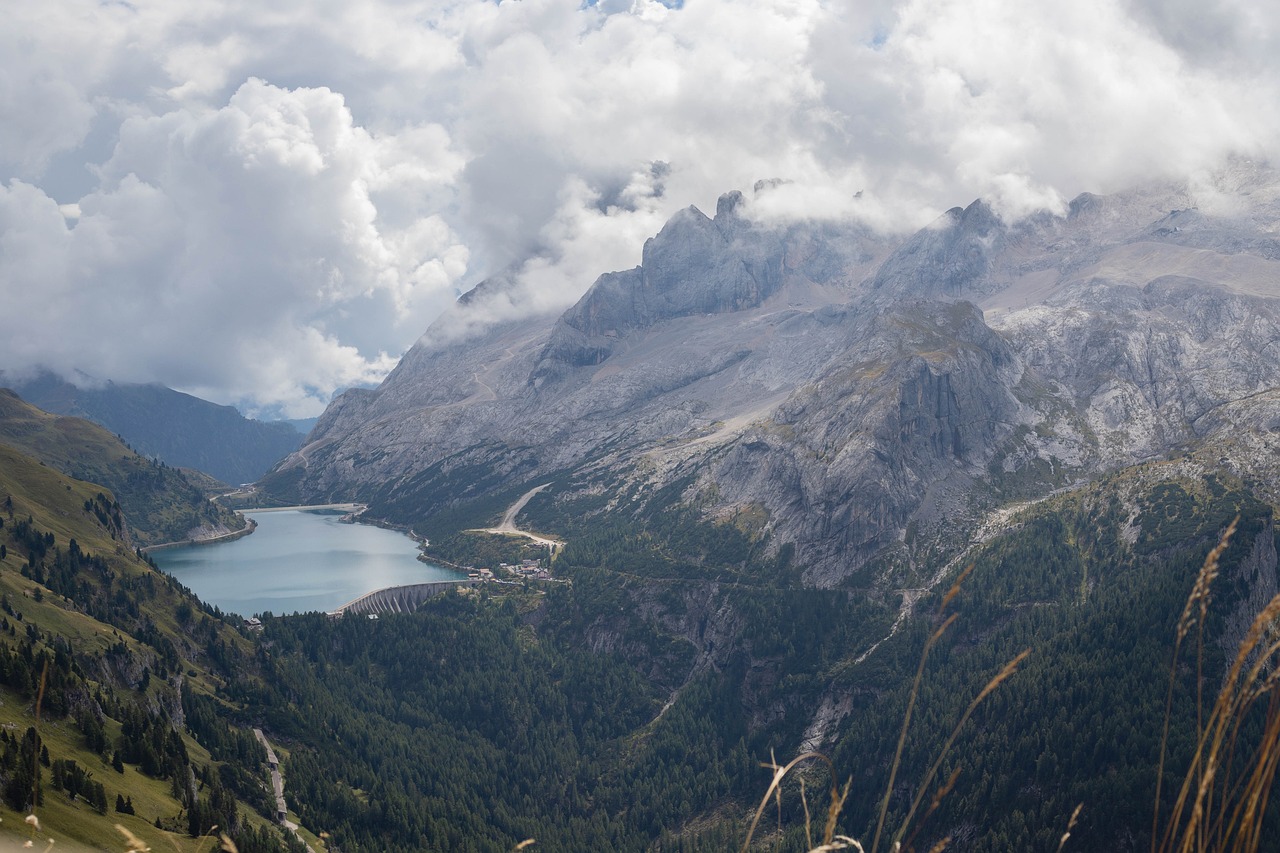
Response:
column 532, row 569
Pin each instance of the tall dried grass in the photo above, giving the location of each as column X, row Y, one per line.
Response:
column 1222, row 800
column 830, row 840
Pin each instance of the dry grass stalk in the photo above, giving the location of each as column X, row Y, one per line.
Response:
column 840, row 842
column 804, row 801
column 1214, row 810
column 944, row 790
column 1200, row 596
column 1071, row 824
column 779, row 773
column 934, row 804
column 1003, row 675
column 831, row 841
column 1194, row 612
column 833, row 814
column 911, row 699
column 133, row 844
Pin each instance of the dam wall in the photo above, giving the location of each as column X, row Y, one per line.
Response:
column 399, row 599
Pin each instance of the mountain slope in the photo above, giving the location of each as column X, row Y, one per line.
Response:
column 184, row 431
column 864, row 396
column 625, row 709
column 159, row 503
column 108, row 671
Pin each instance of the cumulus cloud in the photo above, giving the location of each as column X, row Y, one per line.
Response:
column 263, row 204
column 236, row 250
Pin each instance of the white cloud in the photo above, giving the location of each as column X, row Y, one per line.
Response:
column 269, row 202
column 239, row 250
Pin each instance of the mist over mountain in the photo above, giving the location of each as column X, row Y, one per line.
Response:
column 773, row 445
column 767, row 451
column 949, row 451
column 856, row 393
column 183, row 430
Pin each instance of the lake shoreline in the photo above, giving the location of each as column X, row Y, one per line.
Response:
column 249, row 527
column 303, row 560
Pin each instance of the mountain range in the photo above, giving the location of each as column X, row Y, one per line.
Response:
column 790, row 465
column 853, row 397
column 770, row 448
column 160, row 504
column 182, row 430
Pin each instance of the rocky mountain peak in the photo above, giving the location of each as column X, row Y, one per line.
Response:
column 695, row 265
column 946, row 260
column 840, row 387
column 727, row 207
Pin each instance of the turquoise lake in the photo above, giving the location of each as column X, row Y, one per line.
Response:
column 298, row 561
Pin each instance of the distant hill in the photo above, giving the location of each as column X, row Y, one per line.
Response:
column 184, row 431
column 159, row 502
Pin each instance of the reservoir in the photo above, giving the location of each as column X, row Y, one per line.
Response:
column 298, row 561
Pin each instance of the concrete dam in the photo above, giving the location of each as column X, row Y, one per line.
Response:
column 399, row 599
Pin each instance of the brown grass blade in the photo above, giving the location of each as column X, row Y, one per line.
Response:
column 1004, row 674
column 779, row 773
column 1071, row 824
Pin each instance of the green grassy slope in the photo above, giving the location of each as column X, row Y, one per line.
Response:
column 113, row 667
column 161, row 505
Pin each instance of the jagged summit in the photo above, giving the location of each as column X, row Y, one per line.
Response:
column 842, row 385
column 694, row 266
column 948, row 259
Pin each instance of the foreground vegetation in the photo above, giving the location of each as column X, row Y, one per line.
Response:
column 108, row 676
column 632, row 707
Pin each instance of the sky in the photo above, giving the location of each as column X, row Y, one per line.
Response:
column 262, row 203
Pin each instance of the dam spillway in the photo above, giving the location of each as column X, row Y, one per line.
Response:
column 399, row 599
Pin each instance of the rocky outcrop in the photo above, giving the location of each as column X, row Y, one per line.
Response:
column 694, row 266
column 1256, row 577
column 842, row 465
column 951, row 258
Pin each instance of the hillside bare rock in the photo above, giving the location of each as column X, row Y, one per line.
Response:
column 862, row 392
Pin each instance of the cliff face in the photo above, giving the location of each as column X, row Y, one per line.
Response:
column 898, row 426
column 858, row 391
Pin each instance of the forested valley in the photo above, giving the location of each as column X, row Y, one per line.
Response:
column 637, row 699
column 632, row 707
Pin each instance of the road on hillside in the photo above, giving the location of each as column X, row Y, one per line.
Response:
column 277, row 784
column 507, row 527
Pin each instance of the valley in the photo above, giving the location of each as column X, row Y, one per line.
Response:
column 746, row 433
column 753, row 485
column 640, row 426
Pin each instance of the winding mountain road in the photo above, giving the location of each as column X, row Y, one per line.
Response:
column 507, row 527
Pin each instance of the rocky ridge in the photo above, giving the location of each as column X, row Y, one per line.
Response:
column 866, row 395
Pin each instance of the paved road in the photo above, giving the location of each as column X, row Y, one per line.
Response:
column 356, row 508
column 277, row 784
column 508, row 524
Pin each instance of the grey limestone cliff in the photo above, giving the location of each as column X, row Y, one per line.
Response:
column 859, row 392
